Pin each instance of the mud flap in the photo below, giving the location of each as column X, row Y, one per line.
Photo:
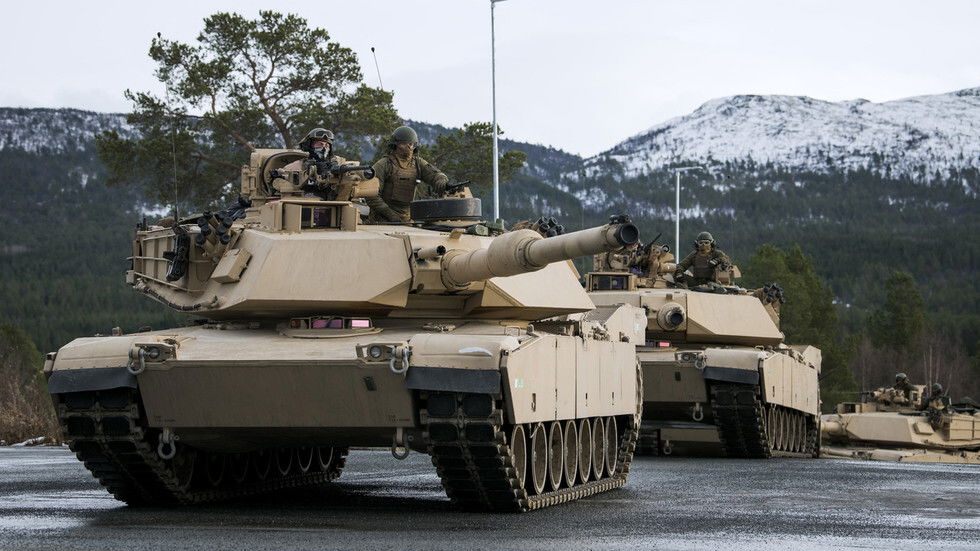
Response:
column 445, row 379
column 85, row 380
column 731, row 375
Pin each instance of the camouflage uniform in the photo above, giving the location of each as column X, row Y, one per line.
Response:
column 903, row 386
column 618, row 261
column 702, row 264
column 400, row 182
column 308, row 165
column 935, row 405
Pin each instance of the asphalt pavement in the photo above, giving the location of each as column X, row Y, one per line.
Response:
column 49, row 501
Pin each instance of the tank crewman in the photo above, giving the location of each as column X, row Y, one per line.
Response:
column 625, row 260
column 318, row 143
column 404, row 176
column 902, row 386
column 935, row 405
column 702, row 262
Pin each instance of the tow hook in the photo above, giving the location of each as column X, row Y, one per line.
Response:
column 399, row 444
column 167, row 448
column 697, row 413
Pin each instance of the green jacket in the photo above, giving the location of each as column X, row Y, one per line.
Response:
column 433, row 183
column 703, row 265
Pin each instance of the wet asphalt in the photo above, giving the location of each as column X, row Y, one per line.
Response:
column 49, row 501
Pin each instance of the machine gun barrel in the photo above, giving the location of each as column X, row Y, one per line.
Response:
column 338, row 170
column 524, row 251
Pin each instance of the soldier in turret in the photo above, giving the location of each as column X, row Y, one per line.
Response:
column 935, row 405
column 318, row 143
column 625, row 260
column 902, row 386
column 703, row 262
column 404, row 176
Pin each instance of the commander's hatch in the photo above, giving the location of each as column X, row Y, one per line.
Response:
column 257, row 176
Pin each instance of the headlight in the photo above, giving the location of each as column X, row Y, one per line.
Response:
column 375, row 351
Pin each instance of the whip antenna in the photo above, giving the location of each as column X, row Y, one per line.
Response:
column 376, row 68
column 173, row 152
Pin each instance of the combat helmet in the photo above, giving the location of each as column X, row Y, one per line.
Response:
column 937, row 388
column 404, row 134
column 704, row 236
column 899, row 377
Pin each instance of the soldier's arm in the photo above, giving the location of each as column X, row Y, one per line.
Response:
column 684, row 264
column 433, row 176
column 724, row 259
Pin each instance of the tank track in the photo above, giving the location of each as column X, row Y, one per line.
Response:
column 749, row 428
column 468, row 442
column 107, row 432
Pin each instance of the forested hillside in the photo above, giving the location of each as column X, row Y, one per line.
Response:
column 65, row 235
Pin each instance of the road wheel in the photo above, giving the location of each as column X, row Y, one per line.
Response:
column 556, row 455
column 539, row 459
column 598, row 448
column 262, row 463
column 214, row 468
column 585, row 450
column 571, row 452
column 284, row 460
column 304, row 459
column 238, row 467
column 518, row 452
column 612, row 445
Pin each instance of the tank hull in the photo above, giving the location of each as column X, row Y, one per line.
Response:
column 229, row 409
column 732, row 401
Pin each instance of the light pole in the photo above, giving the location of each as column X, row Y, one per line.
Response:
column 677, row 208
column 493, row 93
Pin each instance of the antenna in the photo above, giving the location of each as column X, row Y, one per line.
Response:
column 173, row 149
column 378, row 69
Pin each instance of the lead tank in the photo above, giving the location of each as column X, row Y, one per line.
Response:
column 888, row 426
column 318, row 333
column 719, row 378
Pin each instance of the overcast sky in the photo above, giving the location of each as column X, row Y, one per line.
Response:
column 579, row 75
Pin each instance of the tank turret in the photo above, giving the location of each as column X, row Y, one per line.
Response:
column 299, row 255
column 444, row 336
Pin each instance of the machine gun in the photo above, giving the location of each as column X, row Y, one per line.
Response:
column 336, row 169
column 456, row 188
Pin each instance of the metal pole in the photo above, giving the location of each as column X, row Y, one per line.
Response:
column 677, row 217
column 493, row 85
column 677, row 207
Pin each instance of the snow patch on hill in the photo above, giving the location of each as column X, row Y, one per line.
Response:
column 55, row 130
column 918, row 137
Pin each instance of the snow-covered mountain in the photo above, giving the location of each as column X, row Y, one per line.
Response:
column 55, row 130
column 918, row 137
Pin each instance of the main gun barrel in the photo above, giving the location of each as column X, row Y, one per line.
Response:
column 524, row 251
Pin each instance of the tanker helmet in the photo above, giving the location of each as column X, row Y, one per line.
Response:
column 937, row 388
column 899, row 377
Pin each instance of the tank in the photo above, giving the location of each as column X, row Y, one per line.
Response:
column 888, row 426
column 719, row 378
column 318, row 332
